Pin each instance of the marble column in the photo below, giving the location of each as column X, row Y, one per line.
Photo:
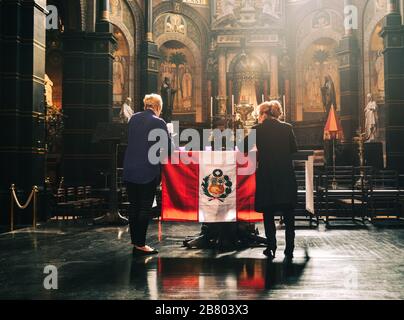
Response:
column 393, row 37
column 222, row 82
column 22, row 114
column 274, row 86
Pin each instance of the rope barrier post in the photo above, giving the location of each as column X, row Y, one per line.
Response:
column 12, row 208
column 35, row 190
column 32, row 197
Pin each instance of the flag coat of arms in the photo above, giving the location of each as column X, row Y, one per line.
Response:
column 209, row 187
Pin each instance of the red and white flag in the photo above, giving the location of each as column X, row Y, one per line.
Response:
column 209, row 187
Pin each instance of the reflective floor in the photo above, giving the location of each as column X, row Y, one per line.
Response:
column 97, row 263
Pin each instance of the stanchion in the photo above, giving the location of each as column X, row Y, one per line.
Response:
column 32, row 197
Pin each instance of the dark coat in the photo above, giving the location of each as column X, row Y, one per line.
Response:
column 276, row 185
column 137, row 168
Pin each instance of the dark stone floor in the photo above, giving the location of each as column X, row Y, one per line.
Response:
column 97, row 263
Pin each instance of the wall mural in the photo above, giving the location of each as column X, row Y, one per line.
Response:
column 120, row 69
column 377, row 64
column 320, row 61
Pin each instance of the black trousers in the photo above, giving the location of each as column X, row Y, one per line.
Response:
column 270, row 228
column 141, row 197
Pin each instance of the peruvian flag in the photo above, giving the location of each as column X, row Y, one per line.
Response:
column 209, row 187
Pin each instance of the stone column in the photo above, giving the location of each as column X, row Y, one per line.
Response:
column 347, row 52
column 392, row 6
column 150, row 57
column 393, row 37
column 348, row 28
column 22, row 128
column 149, row 20
column 274, row 89
column 87, row 100
column 104, row 10
column 103, row 24
column 222, row 82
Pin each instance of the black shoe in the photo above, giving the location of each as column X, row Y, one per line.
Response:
column 144, row 253
column 270, row 253
column 288, row 257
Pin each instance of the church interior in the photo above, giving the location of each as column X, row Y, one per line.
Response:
column 69, row 67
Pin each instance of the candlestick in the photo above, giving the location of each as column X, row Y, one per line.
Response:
column 211, row 107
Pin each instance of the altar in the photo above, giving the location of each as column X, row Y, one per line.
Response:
column 218, row 186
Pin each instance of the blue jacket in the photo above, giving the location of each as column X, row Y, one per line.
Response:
column 137, row 167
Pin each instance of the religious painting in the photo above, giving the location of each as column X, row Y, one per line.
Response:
column 178, row 66
column 120, row 69
column 377, row 64
column 320, row 67
column 115, row 8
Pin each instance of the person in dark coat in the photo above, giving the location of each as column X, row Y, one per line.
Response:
column 276, row 185
column 140, row 174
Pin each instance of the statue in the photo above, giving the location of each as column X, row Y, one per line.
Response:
column 328, row 94
column 48, row 91
column 167, row 94
column 126, row 111
column 371, row 119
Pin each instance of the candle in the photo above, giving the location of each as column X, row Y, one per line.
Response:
column 284, row 107
column 263, row 99
column 211, row 107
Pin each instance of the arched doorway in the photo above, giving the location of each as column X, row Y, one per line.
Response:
column 184, row 31
column 178, row 64
column 185, row 59
column 122, row 17
column 247, row 79
column 318, row 36
column 319, row 60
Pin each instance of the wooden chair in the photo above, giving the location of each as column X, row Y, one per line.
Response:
column 339, row 195
column 63, row 207
column 385, row 195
